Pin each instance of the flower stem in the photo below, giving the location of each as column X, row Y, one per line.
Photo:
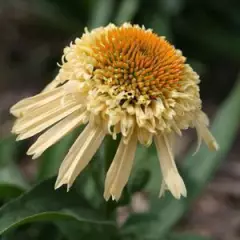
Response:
column 109, row 150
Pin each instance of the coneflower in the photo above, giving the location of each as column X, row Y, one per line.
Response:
column 118, row 80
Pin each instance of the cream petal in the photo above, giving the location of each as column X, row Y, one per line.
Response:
column 157, row 107
column 140, row 116
column 176, row 128
column 41, row 113
column 120, row 169
column 144, row 136
column 171, row 177
column 78, row 142
column 206, row 135
column 43, row 98
column 199, row 142
column 127, row 126
column 32, row 103
column 55, row 133
column 46, row 122
column 151, row 119
column 163, row 188
column 112, row 171
column 80, row 155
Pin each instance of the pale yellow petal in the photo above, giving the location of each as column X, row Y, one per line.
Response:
column 55, row 133
column 199, row 141
column 157, row 107
column 47, row 122
column 32, row 103
column 44, row 112
column 127, row 126
column 27, row 105
column 206, row 135
column 120, row 169
column 144, row 136
column 163, row 188
column 80, row 155
column 171, row 177
column 112, row 171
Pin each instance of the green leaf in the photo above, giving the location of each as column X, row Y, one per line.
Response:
column 43, row 203
column 139, row 181
column 171, row 7
column 62, row 15
column 146, row 160
column 127, row 10
column 185, row 236
column 12, row 183
column 39, row 231
column 73, row 231
column 8, row 149
column 100, row 13
column 198, row 169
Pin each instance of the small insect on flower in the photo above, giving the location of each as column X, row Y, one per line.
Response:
column 118, row 80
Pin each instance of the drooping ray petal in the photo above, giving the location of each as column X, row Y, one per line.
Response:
column 172, row 179
column 31, row 103
column 119, row 171
column 80, row 154
column 205, row 134
column 56, row 132
column 50, row 120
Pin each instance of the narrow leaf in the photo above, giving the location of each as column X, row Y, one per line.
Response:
column 100, row 13
column 11, row 181
column 43, row 203
column 127, row 10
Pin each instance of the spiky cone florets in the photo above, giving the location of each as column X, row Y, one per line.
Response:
column 123, row 80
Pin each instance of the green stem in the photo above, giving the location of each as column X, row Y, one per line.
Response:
column 109, row 150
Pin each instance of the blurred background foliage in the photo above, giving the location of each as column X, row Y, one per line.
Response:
column 33, row 35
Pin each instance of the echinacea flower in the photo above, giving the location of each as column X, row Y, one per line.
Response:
column 118, row 80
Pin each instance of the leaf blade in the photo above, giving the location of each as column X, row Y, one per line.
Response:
column 42, row 203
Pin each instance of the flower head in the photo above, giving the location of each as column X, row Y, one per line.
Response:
column 118, row 80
